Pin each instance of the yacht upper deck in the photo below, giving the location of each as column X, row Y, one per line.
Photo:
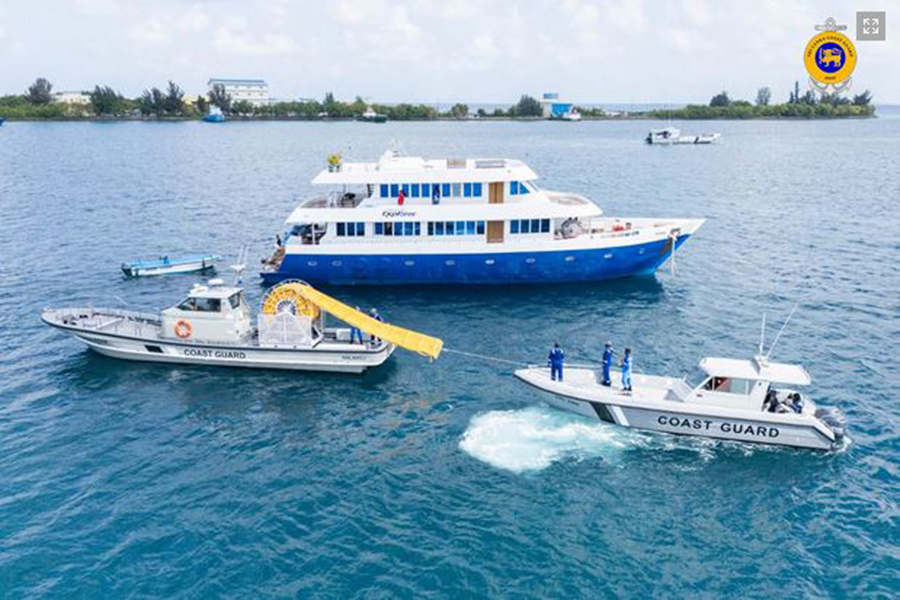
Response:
column 393, row 167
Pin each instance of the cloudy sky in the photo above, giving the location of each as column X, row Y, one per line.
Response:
column 438, row 50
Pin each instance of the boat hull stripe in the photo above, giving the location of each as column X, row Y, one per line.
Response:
column 483, row 268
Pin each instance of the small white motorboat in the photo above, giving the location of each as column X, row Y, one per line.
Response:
column 736, row 400
column 663, row 137
column 165, row 265
column 670, row 136
column 213, row 326
column 740, row 400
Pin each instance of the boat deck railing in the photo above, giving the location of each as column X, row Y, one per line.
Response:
column 335, row 200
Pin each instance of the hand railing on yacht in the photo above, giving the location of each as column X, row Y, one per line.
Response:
column 335, row 200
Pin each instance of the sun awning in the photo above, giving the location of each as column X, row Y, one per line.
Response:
column 405, row 338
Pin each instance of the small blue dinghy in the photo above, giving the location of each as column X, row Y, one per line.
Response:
column 164, row 265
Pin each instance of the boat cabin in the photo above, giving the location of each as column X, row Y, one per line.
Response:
column 407, row 199
column 745, row 384
column 210, row 313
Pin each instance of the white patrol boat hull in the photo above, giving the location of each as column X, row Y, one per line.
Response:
column 167, row 270
column 580, row 392
column 136, row 336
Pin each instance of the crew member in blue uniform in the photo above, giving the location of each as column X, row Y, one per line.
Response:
column 374, row 314
column 607, row 363
column 555, row 362
column 356, row 333
column 626, row 371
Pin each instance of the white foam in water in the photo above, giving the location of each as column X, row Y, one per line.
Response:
column 533, row 438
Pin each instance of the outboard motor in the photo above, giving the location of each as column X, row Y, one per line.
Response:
column 834, row 419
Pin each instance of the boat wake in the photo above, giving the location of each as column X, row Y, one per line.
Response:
column 533, row 438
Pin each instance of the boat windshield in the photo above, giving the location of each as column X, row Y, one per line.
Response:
column 201, row 305
column 696, row 377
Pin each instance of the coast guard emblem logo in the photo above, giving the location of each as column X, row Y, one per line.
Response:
column 830, row 58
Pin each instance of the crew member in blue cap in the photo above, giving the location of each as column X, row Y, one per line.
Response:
column 374, row 314
column 356, row 332
column 555, row 362
column 626, row 371
column 607, row 363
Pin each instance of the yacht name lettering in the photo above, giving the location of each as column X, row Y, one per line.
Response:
column 204, row 353
column 725, row 427
column 397, row 213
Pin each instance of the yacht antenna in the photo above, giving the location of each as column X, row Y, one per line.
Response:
column 762, row 334
column 239, row 266
column 777, row 337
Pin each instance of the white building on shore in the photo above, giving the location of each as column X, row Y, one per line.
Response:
column 254, row 91
column 72, row 98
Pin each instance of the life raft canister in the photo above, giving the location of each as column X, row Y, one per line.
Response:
column 288, row 297
column 183, row 329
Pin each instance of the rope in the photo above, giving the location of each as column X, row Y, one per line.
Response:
column 482, row 356
column 530, row 365
column 519, row 363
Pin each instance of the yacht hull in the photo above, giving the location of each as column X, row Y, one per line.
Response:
column 551, row 266
column 613, row 406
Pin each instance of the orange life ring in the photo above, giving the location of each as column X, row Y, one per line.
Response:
column 183, row 329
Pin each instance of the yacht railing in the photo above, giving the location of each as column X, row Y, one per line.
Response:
column 335, row 200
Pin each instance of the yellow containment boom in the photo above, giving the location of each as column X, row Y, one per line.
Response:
column 411, row 340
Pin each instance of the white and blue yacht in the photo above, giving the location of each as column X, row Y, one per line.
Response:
column 408, row 220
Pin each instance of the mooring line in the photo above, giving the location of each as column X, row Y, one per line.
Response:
column 493, row 358
column 519, row 363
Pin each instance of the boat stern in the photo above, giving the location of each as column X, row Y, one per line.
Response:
column 833, row 420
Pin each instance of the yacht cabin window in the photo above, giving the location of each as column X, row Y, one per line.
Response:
column 351, row 229
column 234, row 300
column 517, row 188
column 456, row 227
column 529, row 226
column 436, row 190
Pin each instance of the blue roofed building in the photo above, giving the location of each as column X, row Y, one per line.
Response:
column 553, row 107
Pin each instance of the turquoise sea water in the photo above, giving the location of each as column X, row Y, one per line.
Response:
column 449, row 479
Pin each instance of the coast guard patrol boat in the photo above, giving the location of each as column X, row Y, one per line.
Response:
column 213, row 326
column 740, row 400
column 408, row 220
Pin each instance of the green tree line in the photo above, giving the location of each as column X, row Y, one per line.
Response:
column 169, row 102
column 808, row 105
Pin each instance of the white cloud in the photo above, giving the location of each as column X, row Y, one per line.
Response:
column 698, row 12
column 151, row 32
column 358, row 11
column 250, row 44
column 483, row 48
column 193, row 20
